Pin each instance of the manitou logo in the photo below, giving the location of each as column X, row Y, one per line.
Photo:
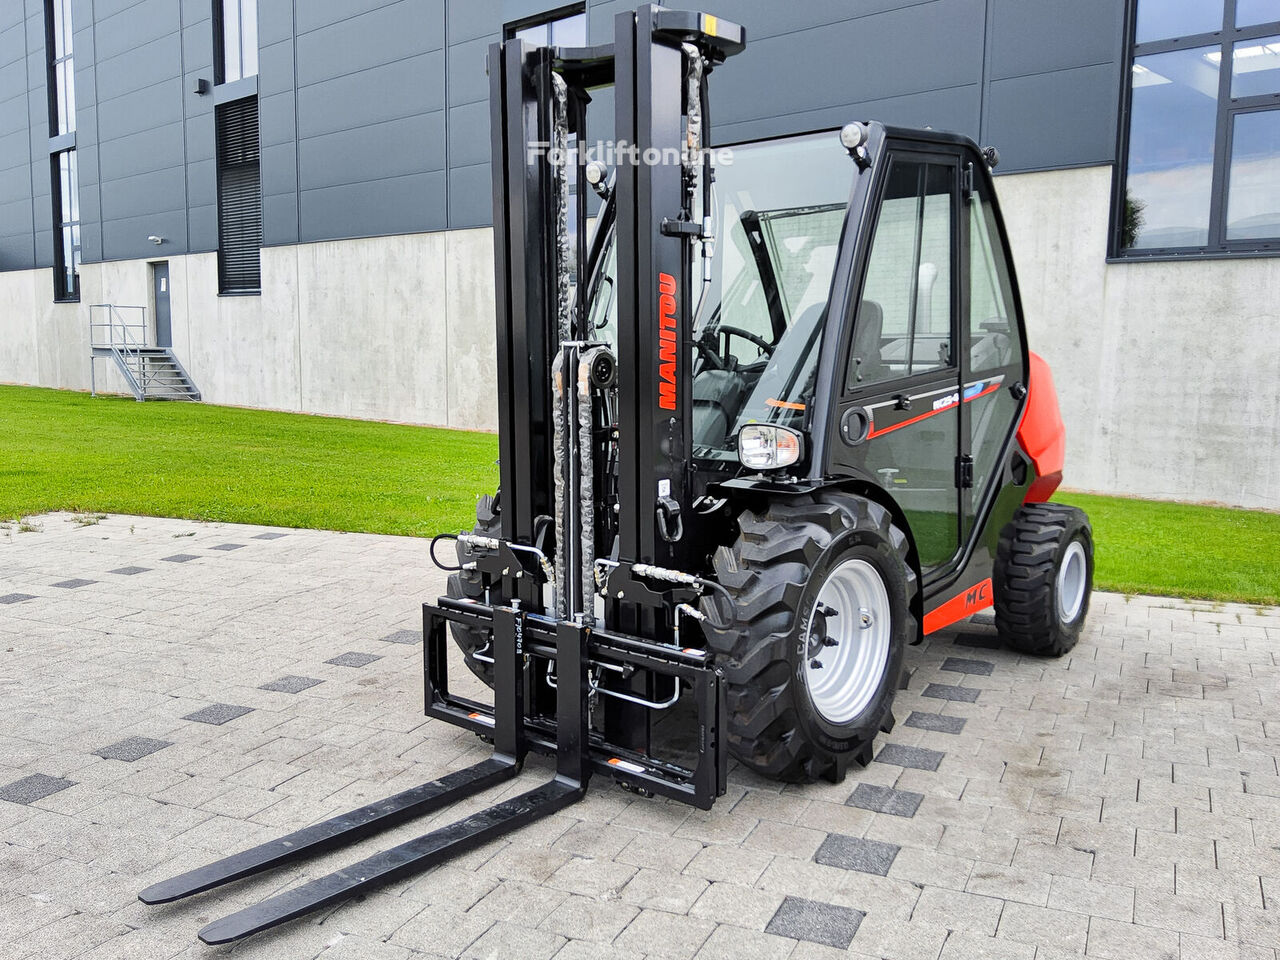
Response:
column 666, row 341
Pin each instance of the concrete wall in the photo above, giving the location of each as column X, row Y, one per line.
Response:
column 1165, row 371
column 388, row 328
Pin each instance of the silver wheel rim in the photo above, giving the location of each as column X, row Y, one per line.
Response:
column 843, row 677
column 1071, row 580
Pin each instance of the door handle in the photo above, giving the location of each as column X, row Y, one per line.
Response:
column 855, row 425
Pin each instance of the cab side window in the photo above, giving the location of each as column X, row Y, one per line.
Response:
column 903, row 325
column 993, row 328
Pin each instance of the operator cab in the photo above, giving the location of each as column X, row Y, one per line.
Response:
column 924, row 367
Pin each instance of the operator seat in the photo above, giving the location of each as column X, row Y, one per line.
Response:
column 717, row 399
column 867, row 364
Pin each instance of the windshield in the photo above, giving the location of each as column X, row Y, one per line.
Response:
column 778, row 211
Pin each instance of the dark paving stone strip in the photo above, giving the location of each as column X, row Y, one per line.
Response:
column 978, row 668
column 218, row 713
column 857, row 853
column 269, row 536
column 403, row 636
column 130, row 571
column 917, row 758
column 132, row 749
column 817, row 922
column 982, row 641
column 353, row 659
column 33, row 788
column 935, row 722
column 74, row 584
column 898, row 803
column 291, row 684
column 16, row 597
column 945, row 691
column 228, row 546
column 180, row 558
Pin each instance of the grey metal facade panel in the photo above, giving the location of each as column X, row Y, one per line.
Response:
column 140, row 67
column 279, row 166
column 394, row 148
column 469, row 134
column 202, row 183
column 380, row 36
column 126, row 238
column 202, row 228
column 468, row 79
column 374, row 116
column 401, row 89
column 157, row 191
column 275, row 69
column 279, row 219
column 1035, row 36
column 471, row 196
column 375, row 208
column 1057, row 119
column 155, row 149
column 855, row 61
column 954, row 109
column 133, row 27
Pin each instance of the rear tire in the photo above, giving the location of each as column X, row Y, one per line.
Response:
column 833, row 551
column 1043, row 578
column 467, row 584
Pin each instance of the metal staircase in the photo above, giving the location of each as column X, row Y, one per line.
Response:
column 152, row 373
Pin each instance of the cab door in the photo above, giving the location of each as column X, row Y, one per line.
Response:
column 899, row 417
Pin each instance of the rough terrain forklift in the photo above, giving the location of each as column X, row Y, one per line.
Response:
column 775, row 422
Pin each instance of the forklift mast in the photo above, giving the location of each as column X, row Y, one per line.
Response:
column 657, row 65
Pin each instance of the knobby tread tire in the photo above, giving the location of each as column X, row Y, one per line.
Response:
column 467, row 584
column 773, row 728
column 1025, row 578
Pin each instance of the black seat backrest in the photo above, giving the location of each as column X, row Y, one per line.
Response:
column 867, row 365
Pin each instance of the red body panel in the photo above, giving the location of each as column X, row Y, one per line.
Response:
column 1042, row 435
column 958, row 607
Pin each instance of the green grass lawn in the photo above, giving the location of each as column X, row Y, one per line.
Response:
column 1183, row 550
column 69, row 451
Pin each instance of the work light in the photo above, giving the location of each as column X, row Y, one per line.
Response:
column 764, row 446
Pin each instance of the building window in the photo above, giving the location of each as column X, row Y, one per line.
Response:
column 1201, row 136
column 65, row 190
column 566, row 27
column 235, row 25
column 62, row 71
column 239, row 197
column 66, row 222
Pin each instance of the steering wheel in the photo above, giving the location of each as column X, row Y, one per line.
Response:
column 765, row 346
column 728, row 362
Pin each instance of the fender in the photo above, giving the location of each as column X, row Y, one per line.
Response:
column 1042, row 434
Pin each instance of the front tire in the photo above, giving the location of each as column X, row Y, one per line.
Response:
column 827, row 565
column 1043, row 579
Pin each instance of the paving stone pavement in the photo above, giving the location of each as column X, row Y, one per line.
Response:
column 1122, row 802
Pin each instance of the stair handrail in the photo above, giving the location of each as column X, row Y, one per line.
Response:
column 125, row 340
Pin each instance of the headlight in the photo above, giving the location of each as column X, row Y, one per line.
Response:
column 763, row 446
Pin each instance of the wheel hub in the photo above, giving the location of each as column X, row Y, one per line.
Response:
column 847, row 650
column 1070, row 586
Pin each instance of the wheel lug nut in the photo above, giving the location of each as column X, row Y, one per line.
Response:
column 815, row 664
column 828, row 611
column 829, row 641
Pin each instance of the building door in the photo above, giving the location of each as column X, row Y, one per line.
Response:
column 160, row 296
